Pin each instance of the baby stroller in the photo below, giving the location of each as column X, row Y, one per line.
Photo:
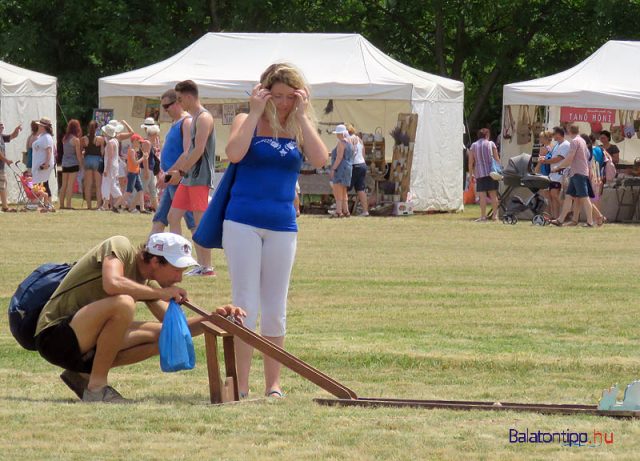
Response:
column 518, row 173
column 26, row 196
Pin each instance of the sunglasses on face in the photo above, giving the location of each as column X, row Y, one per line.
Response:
column 167, row 105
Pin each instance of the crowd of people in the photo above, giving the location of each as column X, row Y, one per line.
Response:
column 576, row 164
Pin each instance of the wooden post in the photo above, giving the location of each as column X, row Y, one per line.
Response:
column 229, row 348
column 215, row 385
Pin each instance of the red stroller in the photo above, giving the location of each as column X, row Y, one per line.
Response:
column 27, row 197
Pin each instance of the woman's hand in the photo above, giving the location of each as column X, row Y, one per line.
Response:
column 302, row 101
column 258, row 99
column 331, row 174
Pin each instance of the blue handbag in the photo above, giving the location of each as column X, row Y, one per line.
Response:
column 209, row 231
column 175, row 343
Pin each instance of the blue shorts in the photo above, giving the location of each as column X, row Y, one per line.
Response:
column 579, row 186
column 92, row 162
column 133, row 182
column 358, row 177
column 165, row 205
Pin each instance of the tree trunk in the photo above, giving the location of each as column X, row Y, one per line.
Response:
column 215, row 18
column 439, row 40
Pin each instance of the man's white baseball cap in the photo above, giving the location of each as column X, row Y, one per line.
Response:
column 175, row 248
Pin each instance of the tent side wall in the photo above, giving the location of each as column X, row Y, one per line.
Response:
column 22, row 109
column 436, row 172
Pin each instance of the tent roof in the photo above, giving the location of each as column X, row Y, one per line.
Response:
column 607, row 79
column 339, row 66
column 16, row 81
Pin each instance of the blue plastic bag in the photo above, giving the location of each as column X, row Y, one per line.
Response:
column 175, row 343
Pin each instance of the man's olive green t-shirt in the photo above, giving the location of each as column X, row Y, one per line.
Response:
column 83, row 283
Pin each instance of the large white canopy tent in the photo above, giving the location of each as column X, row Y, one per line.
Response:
column 25, row 95
column 367, row 87
column 608, row 79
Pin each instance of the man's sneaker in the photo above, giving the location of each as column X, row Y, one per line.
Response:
column 206, row 271
column 76, row 382
column 145, row 211
column 115, row 210
column 107, row 394
column 194, row 271
column 134, row 211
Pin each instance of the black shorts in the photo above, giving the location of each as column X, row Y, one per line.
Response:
column 555, row 185
column 486, row 184
column 70, row 169
column 59, row 345
column 358, row 176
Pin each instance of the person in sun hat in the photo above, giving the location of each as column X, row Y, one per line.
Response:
column 87, row 327
column 44, row 155
column 110, row 185
column 341, row 170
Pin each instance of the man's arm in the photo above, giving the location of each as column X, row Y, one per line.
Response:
column 204, row 127
column 16, row 132
column 471, row 161
column 115, row 283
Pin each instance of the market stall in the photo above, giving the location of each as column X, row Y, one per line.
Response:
column 363, row 86
column 600, row 93
column 25, row 95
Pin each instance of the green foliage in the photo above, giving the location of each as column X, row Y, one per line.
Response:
column 485, row 44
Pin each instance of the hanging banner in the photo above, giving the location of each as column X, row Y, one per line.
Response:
column 581, row 114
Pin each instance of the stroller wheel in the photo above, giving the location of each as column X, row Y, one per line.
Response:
column 514, row 220
column 538, row 220
column 506, row 219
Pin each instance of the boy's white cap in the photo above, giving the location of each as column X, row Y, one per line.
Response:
column 175, row 248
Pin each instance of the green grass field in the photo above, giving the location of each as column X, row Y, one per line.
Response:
column 431, row 307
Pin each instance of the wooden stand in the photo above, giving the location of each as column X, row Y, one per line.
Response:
column 218, row 326
column 218, row 392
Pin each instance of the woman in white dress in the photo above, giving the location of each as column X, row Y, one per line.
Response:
column 43, row 157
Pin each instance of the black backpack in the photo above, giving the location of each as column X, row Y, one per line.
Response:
column 29, row 299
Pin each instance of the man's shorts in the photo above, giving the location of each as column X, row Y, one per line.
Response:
column 59, row 346
column 165, row 205
column 579, row 186
column 555, row 185
column 192, row 198
column 149, row 185
column 3, row 181
column 486, row 184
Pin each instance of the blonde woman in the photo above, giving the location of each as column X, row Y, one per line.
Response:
column 260, row 230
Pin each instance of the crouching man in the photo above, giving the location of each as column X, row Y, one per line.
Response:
column 88, row 327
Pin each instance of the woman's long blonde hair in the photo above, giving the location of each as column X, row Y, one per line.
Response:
column 290, row 76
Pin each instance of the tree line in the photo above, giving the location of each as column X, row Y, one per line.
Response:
column 486, row 44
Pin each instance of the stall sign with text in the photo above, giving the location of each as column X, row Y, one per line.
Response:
column 582, row 114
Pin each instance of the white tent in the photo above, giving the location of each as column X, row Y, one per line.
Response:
column 368, row 88
column 608, row 79
column 24, row 96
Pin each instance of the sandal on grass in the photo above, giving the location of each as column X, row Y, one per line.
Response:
column 275, row 394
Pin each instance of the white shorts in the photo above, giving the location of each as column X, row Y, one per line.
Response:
column 110, row 187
